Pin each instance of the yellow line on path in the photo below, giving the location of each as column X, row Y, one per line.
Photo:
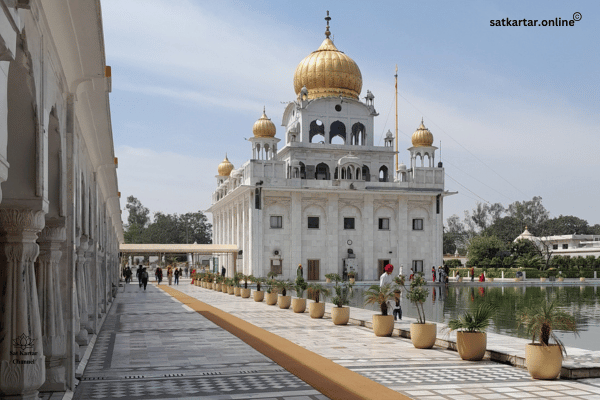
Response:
column 329, row 378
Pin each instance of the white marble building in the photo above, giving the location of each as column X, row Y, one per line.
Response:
column 328, row 197
column 60, row 221
column 565, row 245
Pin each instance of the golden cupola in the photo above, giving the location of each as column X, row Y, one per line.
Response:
column 328, row 72
column 422, row 137
column 225, row 167
column 264, row 127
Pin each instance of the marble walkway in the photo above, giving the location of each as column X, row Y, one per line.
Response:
column 153, row 347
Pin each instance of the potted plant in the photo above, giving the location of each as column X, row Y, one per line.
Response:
column 543, row 359
column 352, row 276
column 224, row 284
column 383, row 324
column 284, row 301
column 245, row 292
column 271, row 296
column 237, row 283
column 459, row 277
column 315, row 291
column 422, row 334
column 230, row 285
column 543, row 276
column 219, row 282
column 329, row 277
column 299, row 302
column 471, row 338
column 343, row 292
column 560, row 278
column 258, row 294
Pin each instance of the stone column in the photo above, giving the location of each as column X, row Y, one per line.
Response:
column 80, row 286
column 91, row 282
column 50, row 241
column 22, row 369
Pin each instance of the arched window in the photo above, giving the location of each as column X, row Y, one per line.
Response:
column 316, row 128
column 322, row 171
column 335, row 173
column 358, row 134
column 349, row 173
column 302, row 170
column 358, row 174
column 337, row 129
column 383, row 174
column 366, row 174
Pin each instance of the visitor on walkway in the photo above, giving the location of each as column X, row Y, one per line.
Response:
column 440, row 274
column 139, row 274
column 472, row 274
column 482, row 277
column 176, row 275
column 299, row 271
column 187, row 270
column 158, row 275
column 144, row 278
column 396, row 307
column 128, row 274
column 412, row 274
column 223, row 272
column 170, row 274
column 386, row 278
column 433, row 273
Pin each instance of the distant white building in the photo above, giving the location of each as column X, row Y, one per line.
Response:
column 329, row 198
column 566, row 245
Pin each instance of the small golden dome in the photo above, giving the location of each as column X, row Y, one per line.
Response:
column 264, row 127
column 225, row 167
column 422, row 137
column 328, row 72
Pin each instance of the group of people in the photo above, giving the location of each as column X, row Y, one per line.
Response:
column 173, row 273
column 442, row 274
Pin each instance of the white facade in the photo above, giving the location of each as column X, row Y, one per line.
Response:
column 329, row 198
column 566, row 245
column 60, row 221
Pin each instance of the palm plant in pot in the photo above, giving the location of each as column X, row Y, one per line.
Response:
column 329, row 277
column 471, row 338
column 271, row 296
column 237, row 283
column 299, row 302
column 383, row 324
column 245, row 290
column 230, row 285
column 343, row 292
column 315, row 291
column 284, row 301
column 258, row 294
column 219, row 282
column 422, row 334
column 544, row 359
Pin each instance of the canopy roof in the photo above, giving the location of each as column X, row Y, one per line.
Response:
column 178, row 248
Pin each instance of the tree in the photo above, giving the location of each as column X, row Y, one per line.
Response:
column 531, row 213
column 455, row 235
column 506, row 229
column 137, row 221
column 566, row 225
column 483, row 215
column 482, row 249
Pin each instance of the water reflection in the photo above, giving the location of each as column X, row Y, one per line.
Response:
column 444, row 304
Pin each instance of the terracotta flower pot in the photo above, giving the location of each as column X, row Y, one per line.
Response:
column 298, row 305
column 543, row 362
column 582, row 279
column 542, row 279
column 258, row 295
column 327, row 280
column 230, row 290
column 245, row 293
column 284, row 301
column 383, row 325
column 423, row 335
column 316, row 310
column 224, row 288
column 340, row 315
column 460, row 279
column 471, row 346
column 561, row 279
column 217, row 287
column 352, row 280
column 271, row 298
column 237, row 291
column 490, row 279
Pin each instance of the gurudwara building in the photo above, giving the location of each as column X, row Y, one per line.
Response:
column 325, row 195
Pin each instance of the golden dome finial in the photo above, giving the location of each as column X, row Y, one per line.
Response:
column 422, row 136
column 264, row 127
column 225, row 167
column 327, row 18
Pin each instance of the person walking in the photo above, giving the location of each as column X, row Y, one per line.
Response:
column 299, row 271
column 170, row 274
column 223, row 271
column 176, row 275
column 144, row 278
column 433, row 274
column 386, row 278
column 158, row 274
column 396, row 307
column 139, row 274
column 128, row 275
column 187, row 270
column 472, row 274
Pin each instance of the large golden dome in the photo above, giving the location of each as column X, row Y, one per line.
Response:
column 422, row 137
column 328, row 72
column 264, row 127
column 225, row 167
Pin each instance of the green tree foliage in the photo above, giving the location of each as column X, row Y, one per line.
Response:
column 482, row 249
column 191, row 227
column 505, row 228
column 566, row 225
column 531, row 213
column 523, row 247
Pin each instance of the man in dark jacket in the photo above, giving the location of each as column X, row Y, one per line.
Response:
column 139, row 274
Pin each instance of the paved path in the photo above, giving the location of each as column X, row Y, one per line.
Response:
column 151, row 347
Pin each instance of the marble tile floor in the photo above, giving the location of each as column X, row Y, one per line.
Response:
column 394, row 362
column 152, row 348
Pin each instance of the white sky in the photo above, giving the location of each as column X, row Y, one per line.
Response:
column 516, row 108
